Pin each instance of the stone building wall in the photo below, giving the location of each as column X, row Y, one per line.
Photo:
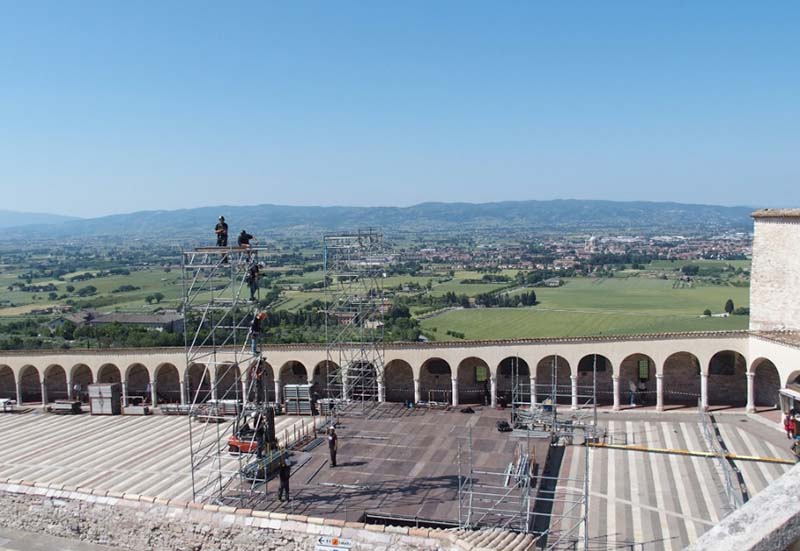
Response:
column 139, row 522
column 775, row 273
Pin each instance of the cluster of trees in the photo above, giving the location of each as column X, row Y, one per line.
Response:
column 126, row 289
column 50, row 287
column 503, row 300
column 489, row 278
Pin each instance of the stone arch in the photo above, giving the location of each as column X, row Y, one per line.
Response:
column 587, row 366
column 261, row 388
column 362, row 380
column 293, row 373
column 30, row 384
column 168, row 383
column 681, row 379
column 793, row 380
column 473, row 376
column 109, row 373
column 80, row 377
column 727, row 379
column 435, row 381
column 137, row 379
column 8, row 383
column 229, row 382
column 639, row 369
column 399, row 381
column 505, row 378
column 55, row 381
column 544, row 379
column 198, row 383
column 320, row 374
column 766, row 383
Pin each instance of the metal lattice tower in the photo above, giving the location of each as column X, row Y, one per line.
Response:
column 354, row 266
column 225, row 395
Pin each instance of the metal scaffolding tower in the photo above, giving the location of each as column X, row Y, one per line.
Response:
column 354, row 266
column 231, row 422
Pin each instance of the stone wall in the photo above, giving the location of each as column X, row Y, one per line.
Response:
column 775, row 275
column 140, row 522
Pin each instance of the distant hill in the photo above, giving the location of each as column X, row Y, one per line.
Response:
column 10, row 218
column 540, row 216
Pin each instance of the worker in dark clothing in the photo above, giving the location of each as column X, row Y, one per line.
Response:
column 333, row 445
column 221, row 229
column 284, row 472
column 257, row 375
column 255, row 330
column 244, row 242
column 244, row 239
column 253, row 273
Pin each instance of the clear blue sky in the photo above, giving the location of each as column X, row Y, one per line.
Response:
column 114, row 106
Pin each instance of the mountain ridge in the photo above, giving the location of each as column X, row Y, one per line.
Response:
column 555, row 215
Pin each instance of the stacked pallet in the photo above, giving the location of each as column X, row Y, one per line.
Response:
column 297, row 399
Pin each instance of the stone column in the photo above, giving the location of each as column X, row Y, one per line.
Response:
column 493, row 390
column 454, row 388
column 703, row 391
column 615, row 392
column 245, row 385
column 381, row 391
column 69, row 390
column 574, row 380
column 44, row 393
column 751, row 393
column 19, row 392
column 659, row 392
column 124, row 394
column 183, row 392
column 533, row 391
column 345, row 386
column 416, row 392
column 278, row 391
column 153, row 394
column 214, row 389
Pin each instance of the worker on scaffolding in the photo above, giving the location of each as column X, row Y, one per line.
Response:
column 243, row 241
column 255, row 330
column 257, row 375
column 284, row 472
column 221, row 229
column 251, row 278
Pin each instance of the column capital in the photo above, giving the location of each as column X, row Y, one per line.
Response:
column 493, row 378
column 659, row 375
column 750, row 375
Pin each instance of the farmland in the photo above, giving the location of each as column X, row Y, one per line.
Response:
column 602, row 306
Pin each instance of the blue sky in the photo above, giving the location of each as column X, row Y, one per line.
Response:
column 112, row 107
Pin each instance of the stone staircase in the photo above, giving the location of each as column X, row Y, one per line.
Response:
column 493, row 539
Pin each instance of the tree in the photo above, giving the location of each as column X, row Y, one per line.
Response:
column 149, row 299
column 70, row 288
column 729, row 306
column 158, row 297
column 706, row 312
column 52, row 295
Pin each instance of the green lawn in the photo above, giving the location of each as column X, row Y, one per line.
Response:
column 600, row 306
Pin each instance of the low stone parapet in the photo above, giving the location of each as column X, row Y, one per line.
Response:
column 132, row 521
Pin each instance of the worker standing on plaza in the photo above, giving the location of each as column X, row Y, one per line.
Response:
column 284, row 472
column 790, row 426
column 333, row 445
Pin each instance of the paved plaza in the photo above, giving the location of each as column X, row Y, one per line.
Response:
column 405, row 463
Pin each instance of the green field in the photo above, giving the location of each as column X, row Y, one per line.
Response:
column 611, row 306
